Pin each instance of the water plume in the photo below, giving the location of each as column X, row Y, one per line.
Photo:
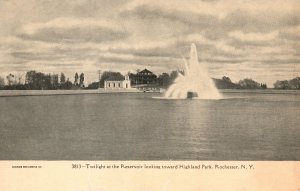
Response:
column 194, row 83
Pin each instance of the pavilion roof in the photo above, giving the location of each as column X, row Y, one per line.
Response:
column 115, row 78
column 145, row 71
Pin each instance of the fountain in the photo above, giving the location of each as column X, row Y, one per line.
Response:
column 194, row 83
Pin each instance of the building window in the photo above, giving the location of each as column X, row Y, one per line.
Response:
column 126, row 85
column 119, row 84
column 114, row 85
column 109, row 85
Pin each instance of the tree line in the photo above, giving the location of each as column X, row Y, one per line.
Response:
column 39, row 81
column 293, row 84
column 247, row 83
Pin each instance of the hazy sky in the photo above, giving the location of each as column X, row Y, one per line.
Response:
column 237, row 38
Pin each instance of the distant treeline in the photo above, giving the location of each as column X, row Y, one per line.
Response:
column 293, row 84
column 34, row 80
column 40, row 81
column 226, row 83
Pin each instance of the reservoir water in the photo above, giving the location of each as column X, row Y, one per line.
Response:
column 245, row 125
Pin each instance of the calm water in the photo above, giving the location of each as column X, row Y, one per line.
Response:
column 134, row 126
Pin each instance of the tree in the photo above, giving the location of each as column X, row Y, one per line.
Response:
column 68, row 85
column 132, row 78
column 249, row 84
column 62, row 78
column 295, row 83
column 38, row 80
column 263, row 86
column 81, row 80
column 76, row 79
column 54, row 81
column 225, row 83
column 33, row 79
column 11, row 80
column 226, row 79
column 173, row 76
column 282, row 84
column 29, row 78
column 19, row 78
column 2, row 82
column 94, row 85
column 288, row 84
column 164, row 80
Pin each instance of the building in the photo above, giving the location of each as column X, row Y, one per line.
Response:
column 143, row 77
column 117, row 82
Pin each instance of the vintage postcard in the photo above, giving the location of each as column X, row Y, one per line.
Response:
column 150, row 95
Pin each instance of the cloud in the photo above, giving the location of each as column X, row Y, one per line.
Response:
column 263, row 22
column 152, row 12
column 292, row 34
column 179, row 47
column 240, row 18
column 66, row 30
column 253, row 36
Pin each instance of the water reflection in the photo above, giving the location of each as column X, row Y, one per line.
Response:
column 137, row 127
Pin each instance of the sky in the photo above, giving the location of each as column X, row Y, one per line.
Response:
column 235, row 38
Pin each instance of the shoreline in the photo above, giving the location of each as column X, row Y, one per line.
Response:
column 15, row 93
